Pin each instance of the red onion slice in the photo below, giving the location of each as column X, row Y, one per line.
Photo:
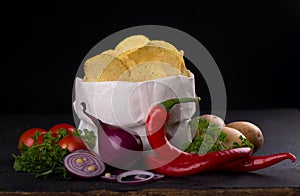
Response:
column 83, row 164
column 82, row 150
column 147, row 177
column 155, row 178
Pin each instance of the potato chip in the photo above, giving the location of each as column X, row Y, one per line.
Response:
column 166, row 45
column 107, row 61
column 163, row 44
column 145, row 71
column 132, row 42
column 135, row 59
column 168, row 69
column 160, row 54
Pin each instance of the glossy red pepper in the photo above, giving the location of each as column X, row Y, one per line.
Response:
column 253, row 163
column 171, row 161
column 195, row 164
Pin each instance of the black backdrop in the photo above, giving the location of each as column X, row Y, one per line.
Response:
column 256, row 46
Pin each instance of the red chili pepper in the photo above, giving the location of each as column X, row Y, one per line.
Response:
column 253, row 163
column 195, row 164
column 172, row 161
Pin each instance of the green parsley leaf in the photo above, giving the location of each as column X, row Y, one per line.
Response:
column 245, row 143
column 89, row 137
column 42, row 159
column 208, row 137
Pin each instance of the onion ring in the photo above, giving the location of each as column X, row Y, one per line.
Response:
column 148, row 177
column 155, row 178
column 83, row 164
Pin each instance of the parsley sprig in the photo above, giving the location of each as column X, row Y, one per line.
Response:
column 245, row 143
column 89, row 137
column 44, row 158
column 209, row 138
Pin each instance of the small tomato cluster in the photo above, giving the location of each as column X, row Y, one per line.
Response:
column 71, row 141
column 42, row 152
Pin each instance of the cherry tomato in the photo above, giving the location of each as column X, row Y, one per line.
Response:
column 58, row 127
column 26, row 137
column 40, row 139
column 72, row 143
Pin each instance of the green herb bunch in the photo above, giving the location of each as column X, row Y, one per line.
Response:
column 209, row 138
column 89, row 137
column 245, row 143
column 42, row 158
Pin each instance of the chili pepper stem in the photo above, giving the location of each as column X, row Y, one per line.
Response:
column 168, row 104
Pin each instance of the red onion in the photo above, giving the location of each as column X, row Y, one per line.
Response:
column 82, row 151
column 118, row 147
column 155, row 178
column 147, row 177
column 83, row 164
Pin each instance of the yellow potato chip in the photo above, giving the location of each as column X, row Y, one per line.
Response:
column 160, row 54
column 163, row 44
column 131, row 43
column 107, row 61
column 147, row 71
column 167, row 45
column 168, row 69
column 136, row 58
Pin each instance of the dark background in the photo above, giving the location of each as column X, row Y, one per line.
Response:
column 256, row 46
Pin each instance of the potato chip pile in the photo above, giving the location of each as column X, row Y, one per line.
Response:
column 136, row 59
